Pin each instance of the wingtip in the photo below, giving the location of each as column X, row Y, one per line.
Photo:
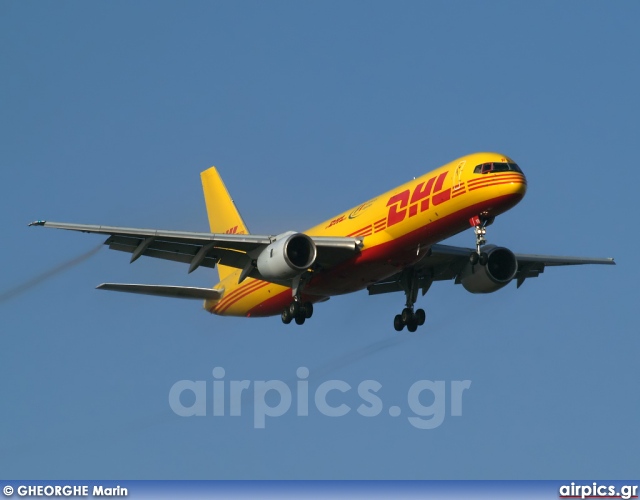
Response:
column 38, row 223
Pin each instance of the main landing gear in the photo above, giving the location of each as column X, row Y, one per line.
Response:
column 297, row 311
column 479, row 225
column 409, row 318
column 411, row 282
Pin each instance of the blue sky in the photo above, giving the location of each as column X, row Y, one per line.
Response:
column 109, row 111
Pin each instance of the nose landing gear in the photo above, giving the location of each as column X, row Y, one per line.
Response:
column 479, row 225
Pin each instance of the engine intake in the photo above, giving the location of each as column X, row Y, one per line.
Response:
column 287, row 257
column 500, row 269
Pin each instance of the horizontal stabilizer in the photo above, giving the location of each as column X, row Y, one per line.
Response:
column 180, row 292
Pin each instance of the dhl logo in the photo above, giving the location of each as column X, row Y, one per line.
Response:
column 335, row 221
column 408, row 203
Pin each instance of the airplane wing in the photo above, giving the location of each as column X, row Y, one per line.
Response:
column 446, row 262
column 205, row 249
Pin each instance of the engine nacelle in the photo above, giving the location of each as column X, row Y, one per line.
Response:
column 287, row 257
column 500, row 269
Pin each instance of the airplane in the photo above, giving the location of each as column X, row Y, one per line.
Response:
column 390, row 243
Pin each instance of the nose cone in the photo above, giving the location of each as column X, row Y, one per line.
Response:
column 509, row 192
column 520, row 187
column 515, row 186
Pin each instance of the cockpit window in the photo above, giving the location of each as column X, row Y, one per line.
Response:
column 496, row 167
column 500, row 167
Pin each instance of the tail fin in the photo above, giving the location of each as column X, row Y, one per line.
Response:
column 222, row 212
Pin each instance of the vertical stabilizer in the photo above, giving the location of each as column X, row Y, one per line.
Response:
column 223, row 214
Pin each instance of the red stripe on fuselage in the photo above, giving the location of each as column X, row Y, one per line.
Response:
column 490, row 185
column 237, row 291
column 491, row 178
column 221, row 308
column 360, row 231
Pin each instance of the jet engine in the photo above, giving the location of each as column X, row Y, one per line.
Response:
column 287, row 257
column 499, row 270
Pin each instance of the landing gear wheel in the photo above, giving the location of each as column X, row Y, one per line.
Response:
column 412, row 326
column 300, row 320
column 308, row 309
column 420, row 317
column 398, row 324
column 474, row 258
column 483, row 259
column 407, row 315
column 286, row 317
column 294, row 309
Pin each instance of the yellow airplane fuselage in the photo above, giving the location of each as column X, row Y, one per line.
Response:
column 397, row 229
